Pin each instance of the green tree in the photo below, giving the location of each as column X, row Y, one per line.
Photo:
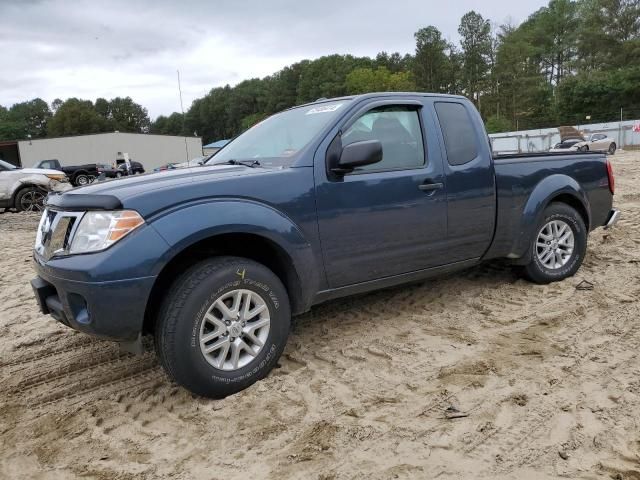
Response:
column 325, row 76
column 553, row 30
column 495, row 124
column 123, row 115
column 364, row 80
column 475, row 33
column 25, row 120
column 171, row 125
column 76, row 117
column 432, row 65
column 395, row 62
column 9, row 129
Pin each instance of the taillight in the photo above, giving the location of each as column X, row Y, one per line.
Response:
column 612, row 181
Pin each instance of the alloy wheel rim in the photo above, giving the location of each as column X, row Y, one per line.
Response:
column 555, row 244
column 32, row 201
column 234, row 329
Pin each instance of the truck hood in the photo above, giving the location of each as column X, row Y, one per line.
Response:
column 152, row 191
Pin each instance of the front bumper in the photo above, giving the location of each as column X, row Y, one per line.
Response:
column 612, row 218
column 112, row 310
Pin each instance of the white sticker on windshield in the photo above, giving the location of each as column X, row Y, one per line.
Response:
column 324, row 109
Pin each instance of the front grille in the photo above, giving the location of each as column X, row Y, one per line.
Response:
column 55, row 232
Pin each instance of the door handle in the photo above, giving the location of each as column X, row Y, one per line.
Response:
column 429, row 187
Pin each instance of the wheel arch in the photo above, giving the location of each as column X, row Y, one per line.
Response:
column 240, row 244
column 555, row 188
column 21, row 187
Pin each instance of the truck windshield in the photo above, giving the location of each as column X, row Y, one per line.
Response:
column 276, row 140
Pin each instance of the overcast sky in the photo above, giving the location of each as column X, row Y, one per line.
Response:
column 88, row 49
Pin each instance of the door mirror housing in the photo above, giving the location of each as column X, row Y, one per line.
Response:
column 358, row 154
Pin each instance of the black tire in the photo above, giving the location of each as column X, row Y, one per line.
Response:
column 612, row 149
column 178, row 324
column 30, row 199
column 118, row 174
column 536, row 271
column 81, row 179
column 583, row 148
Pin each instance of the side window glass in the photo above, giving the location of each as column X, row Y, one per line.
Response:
column 397, row 128
column 459, row 135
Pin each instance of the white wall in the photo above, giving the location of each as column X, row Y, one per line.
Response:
column 542, row 140
column 151, row 150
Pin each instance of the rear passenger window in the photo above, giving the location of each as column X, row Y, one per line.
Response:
column 398, row 129
column 459, row 135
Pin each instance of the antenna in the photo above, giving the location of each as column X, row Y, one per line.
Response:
column 186, row 149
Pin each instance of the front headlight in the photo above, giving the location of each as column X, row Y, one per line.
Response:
column 99, row 230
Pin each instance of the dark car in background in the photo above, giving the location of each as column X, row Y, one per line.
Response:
column 120, row 170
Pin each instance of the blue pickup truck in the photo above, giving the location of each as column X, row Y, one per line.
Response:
column 324, row 200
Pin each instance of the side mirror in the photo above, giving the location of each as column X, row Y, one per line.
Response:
column 358, row 154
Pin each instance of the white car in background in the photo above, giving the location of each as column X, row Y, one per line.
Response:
column 194, row 162
column 572, row 140
column 26, row 188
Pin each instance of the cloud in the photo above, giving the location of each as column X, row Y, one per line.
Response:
column 89, row 49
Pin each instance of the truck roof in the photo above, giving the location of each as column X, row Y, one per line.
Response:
column 366, row 96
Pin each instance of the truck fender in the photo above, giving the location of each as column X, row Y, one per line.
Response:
column 542, row 195
column 186, row 225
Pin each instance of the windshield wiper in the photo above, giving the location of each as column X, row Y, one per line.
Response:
column 246, row 163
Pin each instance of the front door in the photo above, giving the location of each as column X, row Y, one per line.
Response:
column 387, row 218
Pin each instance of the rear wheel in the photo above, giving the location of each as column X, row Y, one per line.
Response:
column 82, row 179
column 559, row 245
column 223, row 326
column 30, row 199
column 612, row 148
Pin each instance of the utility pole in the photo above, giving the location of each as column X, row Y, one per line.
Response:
column 186, row 149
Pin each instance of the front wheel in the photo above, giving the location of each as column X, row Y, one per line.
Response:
column 559, row 245
column 223, row 326
column 612, row 149
column 30, row 199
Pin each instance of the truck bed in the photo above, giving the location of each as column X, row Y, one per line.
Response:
column 522, row 181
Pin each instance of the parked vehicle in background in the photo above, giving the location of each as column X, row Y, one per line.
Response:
column 571, row 139
column 109, row 171
column 26, row 188
column 79, row 175
column 194, row 162
column 320, row 201
column 166, row 166
column 122, row 170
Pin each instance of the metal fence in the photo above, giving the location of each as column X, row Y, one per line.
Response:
column 526, row 141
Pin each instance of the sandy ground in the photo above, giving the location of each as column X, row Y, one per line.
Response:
column 548, row 375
